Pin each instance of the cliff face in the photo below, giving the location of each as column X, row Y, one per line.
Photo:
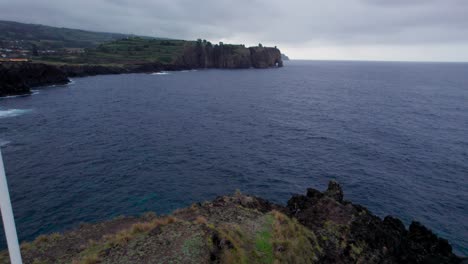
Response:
column 265, row 57
column 17, row 78
column 319, row 227
column 355, row 235
column 91, row 70
column 230, row 57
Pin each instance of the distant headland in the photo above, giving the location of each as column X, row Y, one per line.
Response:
column 36, row 55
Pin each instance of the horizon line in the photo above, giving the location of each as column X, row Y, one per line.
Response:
column 370, row 60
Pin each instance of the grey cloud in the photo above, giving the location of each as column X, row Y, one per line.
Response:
column 330, row 22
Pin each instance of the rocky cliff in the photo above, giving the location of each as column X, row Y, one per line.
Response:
column 91, row 70
column 319, row 227
column 17, row 78
column 229, row 57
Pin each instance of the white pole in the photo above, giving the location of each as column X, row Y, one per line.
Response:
column 8, row 219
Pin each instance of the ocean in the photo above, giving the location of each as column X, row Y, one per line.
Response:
column 394, row 134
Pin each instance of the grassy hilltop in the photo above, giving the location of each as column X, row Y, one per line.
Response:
column 131, row 50
column 137, row 50
column 55, row 45
column 47, row 37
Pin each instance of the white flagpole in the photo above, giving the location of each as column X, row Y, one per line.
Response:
column 8, row 219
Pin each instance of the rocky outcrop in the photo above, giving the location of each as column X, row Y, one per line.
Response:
column 18, row 78
column 229, row 57
column 349, row 233
column 91, row 70
column 319, row 227
column 265, row 57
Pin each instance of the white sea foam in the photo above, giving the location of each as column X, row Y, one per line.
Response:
column 4, row 142
column 11, row 96
column 13, row 112
column 33, row 92
column 160, row 73
column 72, row 82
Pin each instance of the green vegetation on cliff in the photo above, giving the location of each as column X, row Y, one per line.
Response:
column 71, row 47
column 132, row 50
column 137, row 50
column 227, row 230
column 57, row 53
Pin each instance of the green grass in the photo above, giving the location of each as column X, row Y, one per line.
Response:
column 46, row 37
column 263, row 242
column 133, row 50
column 276, row 239
column 138, row 50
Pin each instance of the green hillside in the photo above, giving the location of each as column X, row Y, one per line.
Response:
column 52, row 45
column 124, row 51
column 46, row 37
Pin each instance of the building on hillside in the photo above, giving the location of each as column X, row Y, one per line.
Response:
column 14, row 60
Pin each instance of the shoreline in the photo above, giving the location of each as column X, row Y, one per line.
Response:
column 316, row 227
column 62, row 75
column 18, row 78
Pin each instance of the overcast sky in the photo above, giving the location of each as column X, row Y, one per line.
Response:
column 421, row 30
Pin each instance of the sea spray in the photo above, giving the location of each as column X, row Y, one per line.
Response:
column 13, row 112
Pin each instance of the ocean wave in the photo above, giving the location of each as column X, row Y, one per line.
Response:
column 13, row 112
column 33, row 92
column 4, row 143
column 13, row 96
column 160, row 73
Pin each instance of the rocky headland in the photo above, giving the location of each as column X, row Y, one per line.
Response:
column 19, row 78
column 229, row 57
column 318, row 227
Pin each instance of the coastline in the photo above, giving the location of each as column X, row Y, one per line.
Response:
column 319, row 227
column 19, row 78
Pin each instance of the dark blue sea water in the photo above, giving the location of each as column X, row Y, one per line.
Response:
column 394, row 134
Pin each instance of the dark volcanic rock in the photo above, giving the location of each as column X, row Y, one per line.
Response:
column 265, row 57
column 247, row 229
column 349, row 233
column 91, row 70
column 230, row 57
column 18, row 78
column 334, row 191
column 424, row 246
